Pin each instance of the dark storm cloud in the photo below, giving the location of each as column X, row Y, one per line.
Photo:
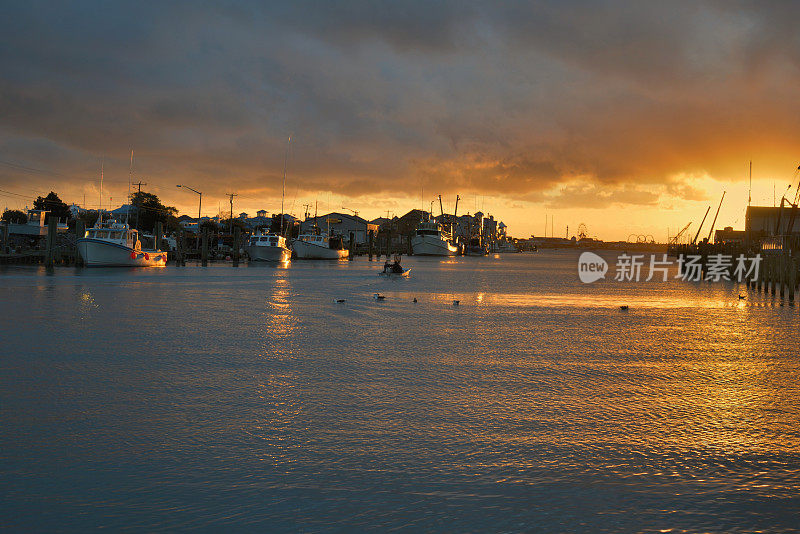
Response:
column 499, row 98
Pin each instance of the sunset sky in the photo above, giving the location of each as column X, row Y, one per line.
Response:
column 630, row 117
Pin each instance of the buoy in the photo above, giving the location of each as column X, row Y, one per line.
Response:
column 455, row 302
column 147, row 256
column 133, row 255
column 741, row 297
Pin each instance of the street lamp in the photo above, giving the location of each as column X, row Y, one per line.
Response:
column 199, row 205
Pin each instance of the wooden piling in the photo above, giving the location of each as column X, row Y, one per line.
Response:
column 4, row 234
column 352, row 246
column 50, row 243
column 159, row 234
column 204, row 252
column 237, row 238
column 370, row 243
column 80, row 232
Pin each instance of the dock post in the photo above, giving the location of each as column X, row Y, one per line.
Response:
column 792, row 280
column 5, row 235
column 50, row 243
column 180, row 259
column 178, row 245
column 388, row 243
column 237, row 237
column 352, row 246
column 370, row 241
column 159, row 233
column 204, row 252
column 768, row 276
column 80, row 231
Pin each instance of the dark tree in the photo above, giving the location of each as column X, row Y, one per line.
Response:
column 15, row 216
column 148, row 209
column 89, row 217
column 211, row 225
column 54, row 205
column 225, row 225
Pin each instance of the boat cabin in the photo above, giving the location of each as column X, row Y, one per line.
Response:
column 266, row 240
column 117, row 233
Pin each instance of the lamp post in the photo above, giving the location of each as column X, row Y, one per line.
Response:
column 199, row 206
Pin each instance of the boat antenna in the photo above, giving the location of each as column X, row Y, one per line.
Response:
column 130, row 179
column 283, row 190
column 100, row 210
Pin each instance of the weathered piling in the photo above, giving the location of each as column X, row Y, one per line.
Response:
column 370, row 242
column 159, row 233
column 50, row 243
column 237, row 238
column 204, row 250
column 4, row 235
column 352, row 246
column 80, row 231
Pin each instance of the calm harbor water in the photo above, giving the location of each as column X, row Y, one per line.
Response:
column 247, row 399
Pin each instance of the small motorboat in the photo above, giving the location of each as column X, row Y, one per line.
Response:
column 393, row 268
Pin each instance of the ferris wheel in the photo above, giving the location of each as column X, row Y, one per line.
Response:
column 583, row 231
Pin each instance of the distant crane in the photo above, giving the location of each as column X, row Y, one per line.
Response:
column 793, row 213
column 701, row 226
column 714, row 222
column 676, row 237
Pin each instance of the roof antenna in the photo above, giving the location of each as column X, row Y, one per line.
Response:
column 130, row 179
column 750, row 191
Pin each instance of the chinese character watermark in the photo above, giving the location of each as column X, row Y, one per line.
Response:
column 690, row 268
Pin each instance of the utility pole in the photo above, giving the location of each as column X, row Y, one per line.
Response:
column 139, row 186
column 231, row 195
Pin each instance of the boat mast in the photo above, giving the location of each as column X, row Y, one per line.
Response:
column 283, row 190
column 130, row 179
column 100, row 210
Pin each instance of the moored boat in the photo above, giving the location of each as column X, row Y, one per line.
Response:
column 431, row 240
column 267, row 247
column 319, row 246
column 116, row 245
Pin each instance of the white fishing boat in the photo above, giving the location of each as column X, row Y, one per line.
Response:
column 431, row 240
column 506, row 247
column 116, row 245
column 268, row 247
column 319, row 246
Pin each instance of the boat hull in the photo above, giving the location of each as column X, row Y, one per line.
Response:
column 278, row 254
column 431, row 246
column 96, row 253
column 310, row 251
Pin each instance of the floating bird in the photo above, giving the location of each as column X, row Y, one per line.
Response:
column 378, row 296
column 455, row 302
column 624, row 307
column 339, row 301
column 415, row 300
